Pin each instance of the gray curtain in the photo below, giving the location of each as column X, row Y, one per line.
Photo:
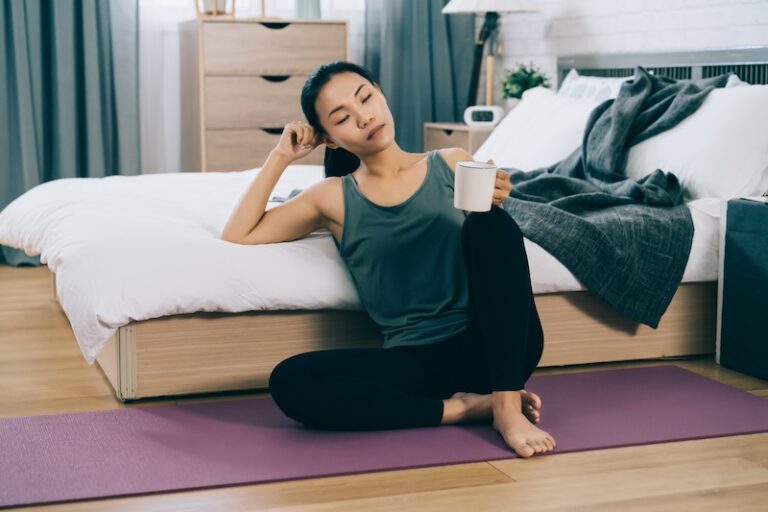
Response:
column 423, row 60
column 69, row 104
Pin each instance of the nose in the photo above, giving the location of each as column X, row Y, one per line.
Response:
column 368, row 118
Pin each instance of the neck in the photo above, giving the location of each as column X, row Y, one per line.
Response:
column 388, row 162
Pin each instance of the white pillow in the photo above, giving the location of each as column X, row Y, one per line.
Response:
column 592, row 88
column 598, row 89
column 541, row 130
column 721, row 150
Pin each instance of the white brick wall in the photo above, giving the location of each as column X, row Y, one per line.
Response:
column 565, row 27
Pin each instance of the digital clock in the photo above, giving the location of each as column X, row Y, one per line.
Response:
column 483, row 115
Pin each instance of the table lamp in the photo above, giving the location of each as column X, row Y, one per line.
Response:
column 491, row 8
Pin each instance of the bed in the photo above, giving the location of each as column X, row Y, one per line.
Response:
column 164, row 307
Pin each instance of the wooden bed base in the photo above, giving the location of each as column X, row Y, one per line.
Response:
column 211, row 352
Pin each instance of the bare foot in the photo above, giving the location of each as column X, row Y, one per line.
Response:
column 518, row 432
column 479, row 408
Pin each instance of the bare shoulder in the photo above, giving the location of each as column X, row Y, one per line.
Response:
column 328, row 196
column 455, row 155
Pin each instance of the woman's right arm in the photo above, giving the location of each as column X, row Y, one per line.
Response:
column 251, row 223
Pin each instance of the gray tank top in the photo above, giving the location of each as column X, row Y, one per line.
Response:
column 406, row 260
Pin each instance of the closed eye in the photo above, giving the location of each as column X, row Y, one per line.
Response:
column 364, row 100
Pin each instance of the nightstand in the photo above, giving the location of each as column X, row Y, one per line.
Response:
column 455, row 135
column 742, row 331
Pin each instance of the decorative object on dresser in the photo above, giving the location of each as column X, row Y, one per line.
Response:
column 483, row 115
column 455, row 135
column 519, row 80
column 742, row 341
column 216, row 7
column 241, row 83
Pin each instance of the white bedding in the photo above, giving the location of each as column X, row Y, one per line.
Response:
column 130, row 248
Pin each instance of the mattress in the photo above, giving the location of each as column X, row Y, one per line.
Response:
column 132, row 248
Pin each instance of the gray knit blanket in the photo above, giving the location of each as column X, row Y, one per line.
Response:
column 627, row 241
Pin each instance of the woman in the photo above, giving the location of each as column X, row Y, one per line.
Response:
column 450, row 291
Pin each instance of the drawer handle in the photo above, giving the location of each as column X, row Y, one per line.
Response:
column 274, row 25
column 275, row 78
column 447, row 132
column 273, row 131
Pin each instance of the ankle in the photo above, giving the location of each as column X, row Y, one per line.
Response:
column 507, row 398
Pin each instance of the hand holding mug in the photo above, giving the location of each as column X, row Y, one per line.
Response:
column 480, row 185
column 502, row 187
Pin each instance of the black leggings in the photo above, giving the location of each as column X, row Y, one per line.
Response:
column 404, row 386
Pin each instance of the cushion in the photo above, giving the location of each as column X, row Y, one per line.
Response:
column 593, row 88
column 598, row 88
column 721, row 150
column 541, row 130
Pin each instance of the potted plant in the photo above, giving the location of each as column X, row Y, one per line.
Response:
column 519, row 80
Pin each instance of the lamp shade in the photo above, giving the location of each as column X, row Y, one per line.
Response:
column 482, row 6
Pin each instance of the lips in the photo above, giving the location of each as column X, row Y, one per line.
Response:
column 375, row 131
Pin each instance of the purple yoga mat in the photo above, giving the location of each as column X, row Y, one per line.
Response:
column 76, row 456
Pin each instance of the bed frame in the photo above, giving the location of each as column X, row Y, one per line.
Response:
column 212, row 352
column 209, row 352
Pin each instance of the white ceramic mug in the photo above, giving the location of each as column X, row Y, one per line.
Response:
column 473, row 186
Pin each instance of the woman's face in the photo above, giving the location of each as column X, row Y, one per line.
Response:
column 349, row 107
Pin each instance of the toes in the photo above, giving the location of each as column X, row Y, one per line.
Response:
column 524, row 450
column 535, row 399
column 532, row 399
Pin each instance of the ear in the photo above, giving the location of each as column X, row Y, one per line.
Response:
column 329, row 143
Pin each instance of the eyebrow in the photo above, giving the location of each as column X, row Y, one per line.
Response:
column 342, row 106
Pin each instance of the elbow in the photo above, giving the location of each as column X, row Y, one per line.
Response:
column 227, row 237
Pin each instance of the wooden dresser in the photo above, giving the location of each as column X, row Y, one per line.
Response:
column 241, row 83
column 455, row 135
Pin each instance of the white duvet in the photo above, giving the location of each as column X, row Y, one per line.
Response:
column 131, row 248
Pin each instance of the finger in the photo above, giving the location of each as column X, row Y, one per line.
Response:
column 293, row 135
column 308, row 136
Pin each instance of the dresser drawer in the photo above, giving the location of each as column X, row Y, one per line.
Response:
column 455, row 135
column 238, row 150
column 252, row 101
column 259, row 48
column 438, row 138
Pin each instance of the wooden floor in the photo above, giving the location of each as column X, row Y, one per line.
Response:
column 43, row 372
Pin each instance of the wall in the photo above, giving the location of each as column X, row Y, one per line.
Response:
column 621, row 26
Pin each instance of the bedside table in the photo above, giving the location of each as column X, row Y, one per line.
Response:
column 742, row 331
column 455, row 135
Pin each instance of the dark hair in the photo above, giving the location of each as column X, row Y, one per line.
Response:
column 338, row 162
